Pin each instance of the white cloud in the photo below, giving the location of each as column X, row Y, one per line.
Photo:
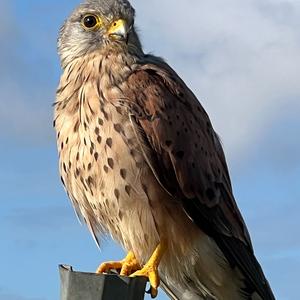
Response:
column 241, row 58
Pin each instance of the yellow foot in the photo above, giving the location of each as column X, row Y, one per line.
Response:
column 126, row 266
column 150, row 269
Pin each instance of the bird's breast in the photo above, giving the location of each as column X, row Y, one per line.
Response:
column 103, row 169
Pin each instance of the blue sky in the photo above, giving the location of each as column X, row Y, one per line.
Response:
column 242, row 60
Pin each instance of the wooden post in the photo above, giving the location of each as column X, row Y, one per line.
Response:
column 90, row 286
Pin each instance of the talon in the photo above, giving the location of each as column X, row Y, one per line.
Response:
column 107, row 266
column 150, row 269
column 152, row 274
column 130, row 265
column 126, row 266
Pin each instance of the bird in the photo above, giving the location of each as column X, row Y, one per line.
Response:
column 140, row 161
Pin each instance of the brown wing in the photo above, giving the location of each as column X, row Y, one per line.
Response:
column 187, row 159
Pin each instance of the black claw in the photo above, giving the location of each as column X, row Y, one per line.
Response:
column 153, row 293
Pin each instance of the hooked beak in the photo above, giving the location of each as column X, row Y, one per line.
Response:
column 118, row 30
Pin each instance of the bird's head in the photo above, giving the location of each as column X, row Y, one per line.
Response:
column 98, row 25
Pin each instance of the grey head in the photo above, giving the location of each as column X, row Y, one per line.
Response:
column 98, row 25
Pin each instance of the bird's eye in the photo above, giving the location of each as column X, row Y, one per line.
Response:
column 91, row 22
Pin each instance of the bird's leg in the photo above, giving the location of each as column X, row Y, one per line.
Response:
column 150, row 269
column 126, row 266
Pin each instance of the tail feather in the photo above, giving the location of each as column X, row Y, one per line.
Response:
column 176, row 292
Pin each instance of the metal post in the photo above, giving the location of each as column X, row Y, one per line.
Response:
column 90, row 286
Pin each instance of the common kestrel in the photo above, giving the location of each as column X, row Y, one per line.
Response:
column 140, row 160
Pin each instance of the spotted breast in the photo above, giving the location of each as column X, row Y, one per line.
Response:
column 101, row 164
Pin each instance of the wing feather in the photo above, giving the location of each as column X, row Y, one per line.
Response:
column 186, row 156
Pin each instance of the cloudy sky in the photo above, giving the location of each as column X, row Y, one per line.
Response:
column 241, row 58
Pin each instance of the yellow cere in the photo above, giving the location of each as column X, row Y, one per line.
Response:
column 117, row 27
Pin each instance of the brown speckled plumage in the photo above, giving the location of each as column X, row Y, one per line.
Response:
column 140, row 160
